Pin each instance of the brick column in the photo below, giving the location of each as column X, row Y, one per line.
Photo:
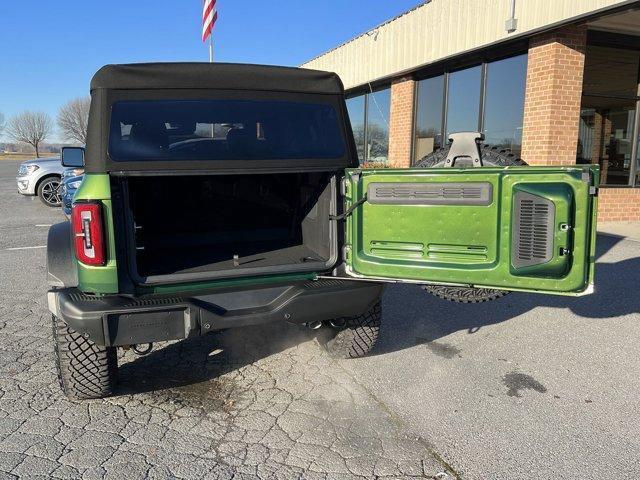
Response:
column 553, row 96
column 619, row 205
column 401, row 122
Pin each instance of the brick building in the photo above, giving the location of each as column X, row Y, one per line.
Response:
column 555, row 81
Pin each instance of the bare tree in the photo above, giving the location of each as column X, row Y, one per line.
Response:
column 30, row 127
column 1, row 123
column 73, row 118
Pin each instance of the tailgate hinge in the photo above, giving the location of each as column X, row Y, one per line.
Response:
column 587, row 177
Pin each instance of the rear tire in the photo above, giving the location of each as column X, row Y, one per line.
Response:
column 85, row 370
column 465, row 294
column 491, row 156
column 356, row 336
column 47, row 191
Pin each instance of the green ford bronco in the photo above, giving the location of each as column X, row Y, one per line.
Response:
column 221, row 195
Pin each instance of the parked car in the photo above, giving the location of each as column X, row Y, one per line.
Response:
column 220, row 195
column 41, row 177
column 70, row 182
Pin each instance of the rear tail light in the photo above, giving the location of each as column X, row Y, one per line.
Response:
column 88, row 233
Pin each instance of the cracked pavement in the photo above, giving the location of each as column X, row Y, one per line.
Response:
column 248, row 403
column 259, row 403
column 527, row 387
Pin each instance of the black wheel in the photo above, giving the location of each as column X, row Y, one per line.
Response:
column 85, row 370
column 356, row 336
column 48, row 191
column 491, row 157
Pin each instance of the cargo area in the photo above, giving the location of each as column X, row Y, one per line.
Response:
column 221, row 226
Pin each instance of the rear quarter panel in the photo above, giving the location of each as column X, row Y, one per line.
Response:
column 103, row 279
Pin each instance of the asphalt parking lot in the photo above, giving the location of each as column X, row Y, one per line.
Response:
column 526, row 387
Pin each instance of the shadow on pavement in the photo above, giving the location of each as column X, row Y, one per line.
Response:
column 200, row 359
column 407, row 310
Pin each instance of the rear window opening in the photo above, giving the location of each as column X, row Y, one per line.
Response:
column 183, row 228
column 224, row 130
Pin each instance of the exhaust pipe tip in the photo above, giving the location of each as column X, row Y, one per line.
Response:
column 142, row 350
column 315, row 325
column 338, row 323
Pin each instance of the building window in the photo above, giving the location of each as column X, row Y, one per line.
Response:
column 369, row 115
column 356, row 109
column 378, row 110
column 428, row 124
column 487, row 98
column 608, row 134
column 504, row 103
column 463, row 100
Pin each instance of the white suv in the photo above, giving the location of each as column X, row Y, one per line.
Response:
column 41, row 177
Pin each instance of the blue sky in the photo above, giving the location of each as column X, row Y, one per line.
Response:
column 50, row 49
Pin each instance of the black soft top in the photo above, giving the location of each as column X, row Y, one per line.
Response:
column 227, row 76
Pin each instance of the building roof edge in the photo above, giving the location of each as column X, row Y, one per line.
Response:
column 422, row 3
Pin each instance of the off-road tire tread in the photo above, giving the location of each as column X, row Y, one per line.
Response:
column 85, row 370
column 490, row 153
column 494, row 155
column 358, row 336
column 465, row 294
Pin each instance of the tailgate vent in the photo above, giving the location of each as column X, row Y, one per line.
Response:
column 446, row 193
column 534, row 222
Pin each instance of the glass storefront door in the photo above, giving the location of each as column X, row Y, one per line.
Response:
column 606, row 137
column 608, row 134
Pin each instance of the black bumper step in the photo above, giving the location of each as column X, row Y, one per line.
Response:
column 115, row 320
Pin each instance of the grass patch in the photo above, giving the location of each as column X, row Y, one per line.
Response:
column 24, row 156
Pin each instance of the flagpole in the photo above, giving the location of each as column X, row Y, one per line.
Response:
column 211, row 47
column 211, row 61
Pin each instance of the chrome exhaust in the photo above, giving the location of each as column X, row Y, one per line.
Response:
column 337, row 322
column 142, row 351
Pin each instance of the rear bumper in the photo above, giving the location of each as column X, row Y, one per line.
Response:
column 114, row 321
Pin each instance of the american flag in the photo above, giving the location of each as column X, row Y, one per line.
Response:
column 209, row 17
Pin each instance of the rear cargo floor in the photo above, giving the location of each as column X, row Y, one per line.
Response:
column 205, row 259
column 270, row 223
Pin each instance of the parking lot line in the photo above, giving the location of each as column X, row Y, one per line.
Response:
column 43, row 224
column 26, row 248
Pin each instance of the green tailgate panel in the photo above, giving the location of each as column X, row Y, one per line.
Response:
column 515, row 228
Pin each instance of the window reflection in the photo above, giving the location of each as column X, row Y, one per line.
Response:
column 428, row 128
column 463, row 100
column 504, row 103
column 502, row 113
column 369, row 115
column 378, row 111
column 356, row 109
